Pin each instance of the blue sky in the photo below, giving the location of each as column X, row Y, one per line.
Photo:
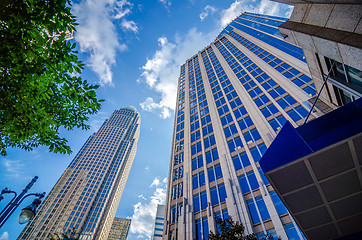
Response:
column 133, row 49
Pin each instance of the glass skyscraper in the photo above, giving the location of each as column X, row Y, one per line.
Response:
column 87, row 195
column 233, row 98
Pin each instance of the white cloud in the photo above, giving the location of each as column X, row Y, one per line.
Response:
column 144, row 213
column 235, row 9
column 142, row 197
column 270, row 8
column 166, row 3
column 97, row 35
column 155, row 182
column 263, row 7
column 207, row 10
column 129, row 25
column 13, row 168
column 162, row 70
column 4, row 236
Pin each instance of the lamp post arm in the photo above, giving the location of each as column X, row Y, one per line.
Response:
column 40, row 195
column 10, row 209
column 12, row 200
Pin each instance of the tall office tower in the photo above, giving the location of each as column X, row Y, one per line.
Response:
column 233, row 98
column 119, row 229
column 159, row 220
column 87, row 195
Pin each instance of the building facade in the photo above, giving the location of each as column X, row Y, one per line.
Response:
column 330, row 34
column 159, row 222
column 119, row 229
column 233, row 98
column 324, row 196
column 87, row 195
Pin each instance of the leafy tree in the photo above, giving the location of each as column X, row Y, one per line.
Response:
column 69, row 235
column 230, row 230
column 40, row 87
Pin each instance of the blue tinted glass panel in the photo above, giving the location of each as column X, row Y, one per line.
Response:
column 237, row 163
column 222, row 192
column 291, row 232
column 252, row 180
column 196, row 203
column 194, row 164
column 214, row 197
column 265, row 180
column 243, row 184
column 253, row 212
column 278, row 203
column 215, row 155
column 244, row 159
column 262, row 208
column 218, row 171
column 195, row 182
column 204, row 200
column 199, row 161
column 202, row 179
column 205, row 228
column 210, row 172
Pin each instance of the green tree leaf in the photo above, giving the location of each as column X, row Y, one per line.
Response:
column 38, row 94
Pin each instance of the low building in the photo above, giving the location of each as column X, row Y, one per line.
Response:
column 119, row 229
column 160, row 218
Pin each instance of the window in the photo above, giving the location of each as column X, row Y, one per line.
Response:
column 242, row 158
column 265, row 180
column 291, row 231
column 253, row 212
column 222, row 192
column 205, row 228
column 195, row 182
column 198, row 229
column 214, row 197
column 252, row 181
column 262, row 209
column 211, row 174
column 203, row 200
column 278, row 203
column 196, row 200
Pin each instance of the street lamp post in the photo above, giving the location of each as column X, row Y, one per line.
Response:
column 28, row 212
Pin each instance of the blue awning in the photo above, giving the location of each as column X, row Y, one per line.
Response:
column 294, row 143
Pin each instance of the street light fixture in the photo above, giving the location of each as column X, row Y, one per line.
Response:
column 28, row 212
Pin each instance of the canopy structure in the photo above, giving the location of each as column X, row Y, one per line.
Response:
column 316, row 171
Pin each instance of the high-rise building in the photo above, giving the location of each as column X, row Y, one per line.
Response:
column 159, row 220
column 119, row 229
column 233, row 98
column 87, row 195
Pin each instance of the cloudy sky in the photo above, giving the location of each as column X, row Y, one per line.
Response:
column 134, row 50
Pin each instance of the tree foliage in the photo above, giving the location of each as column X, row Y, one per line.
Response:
column 40, row 87
column 230, row 230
